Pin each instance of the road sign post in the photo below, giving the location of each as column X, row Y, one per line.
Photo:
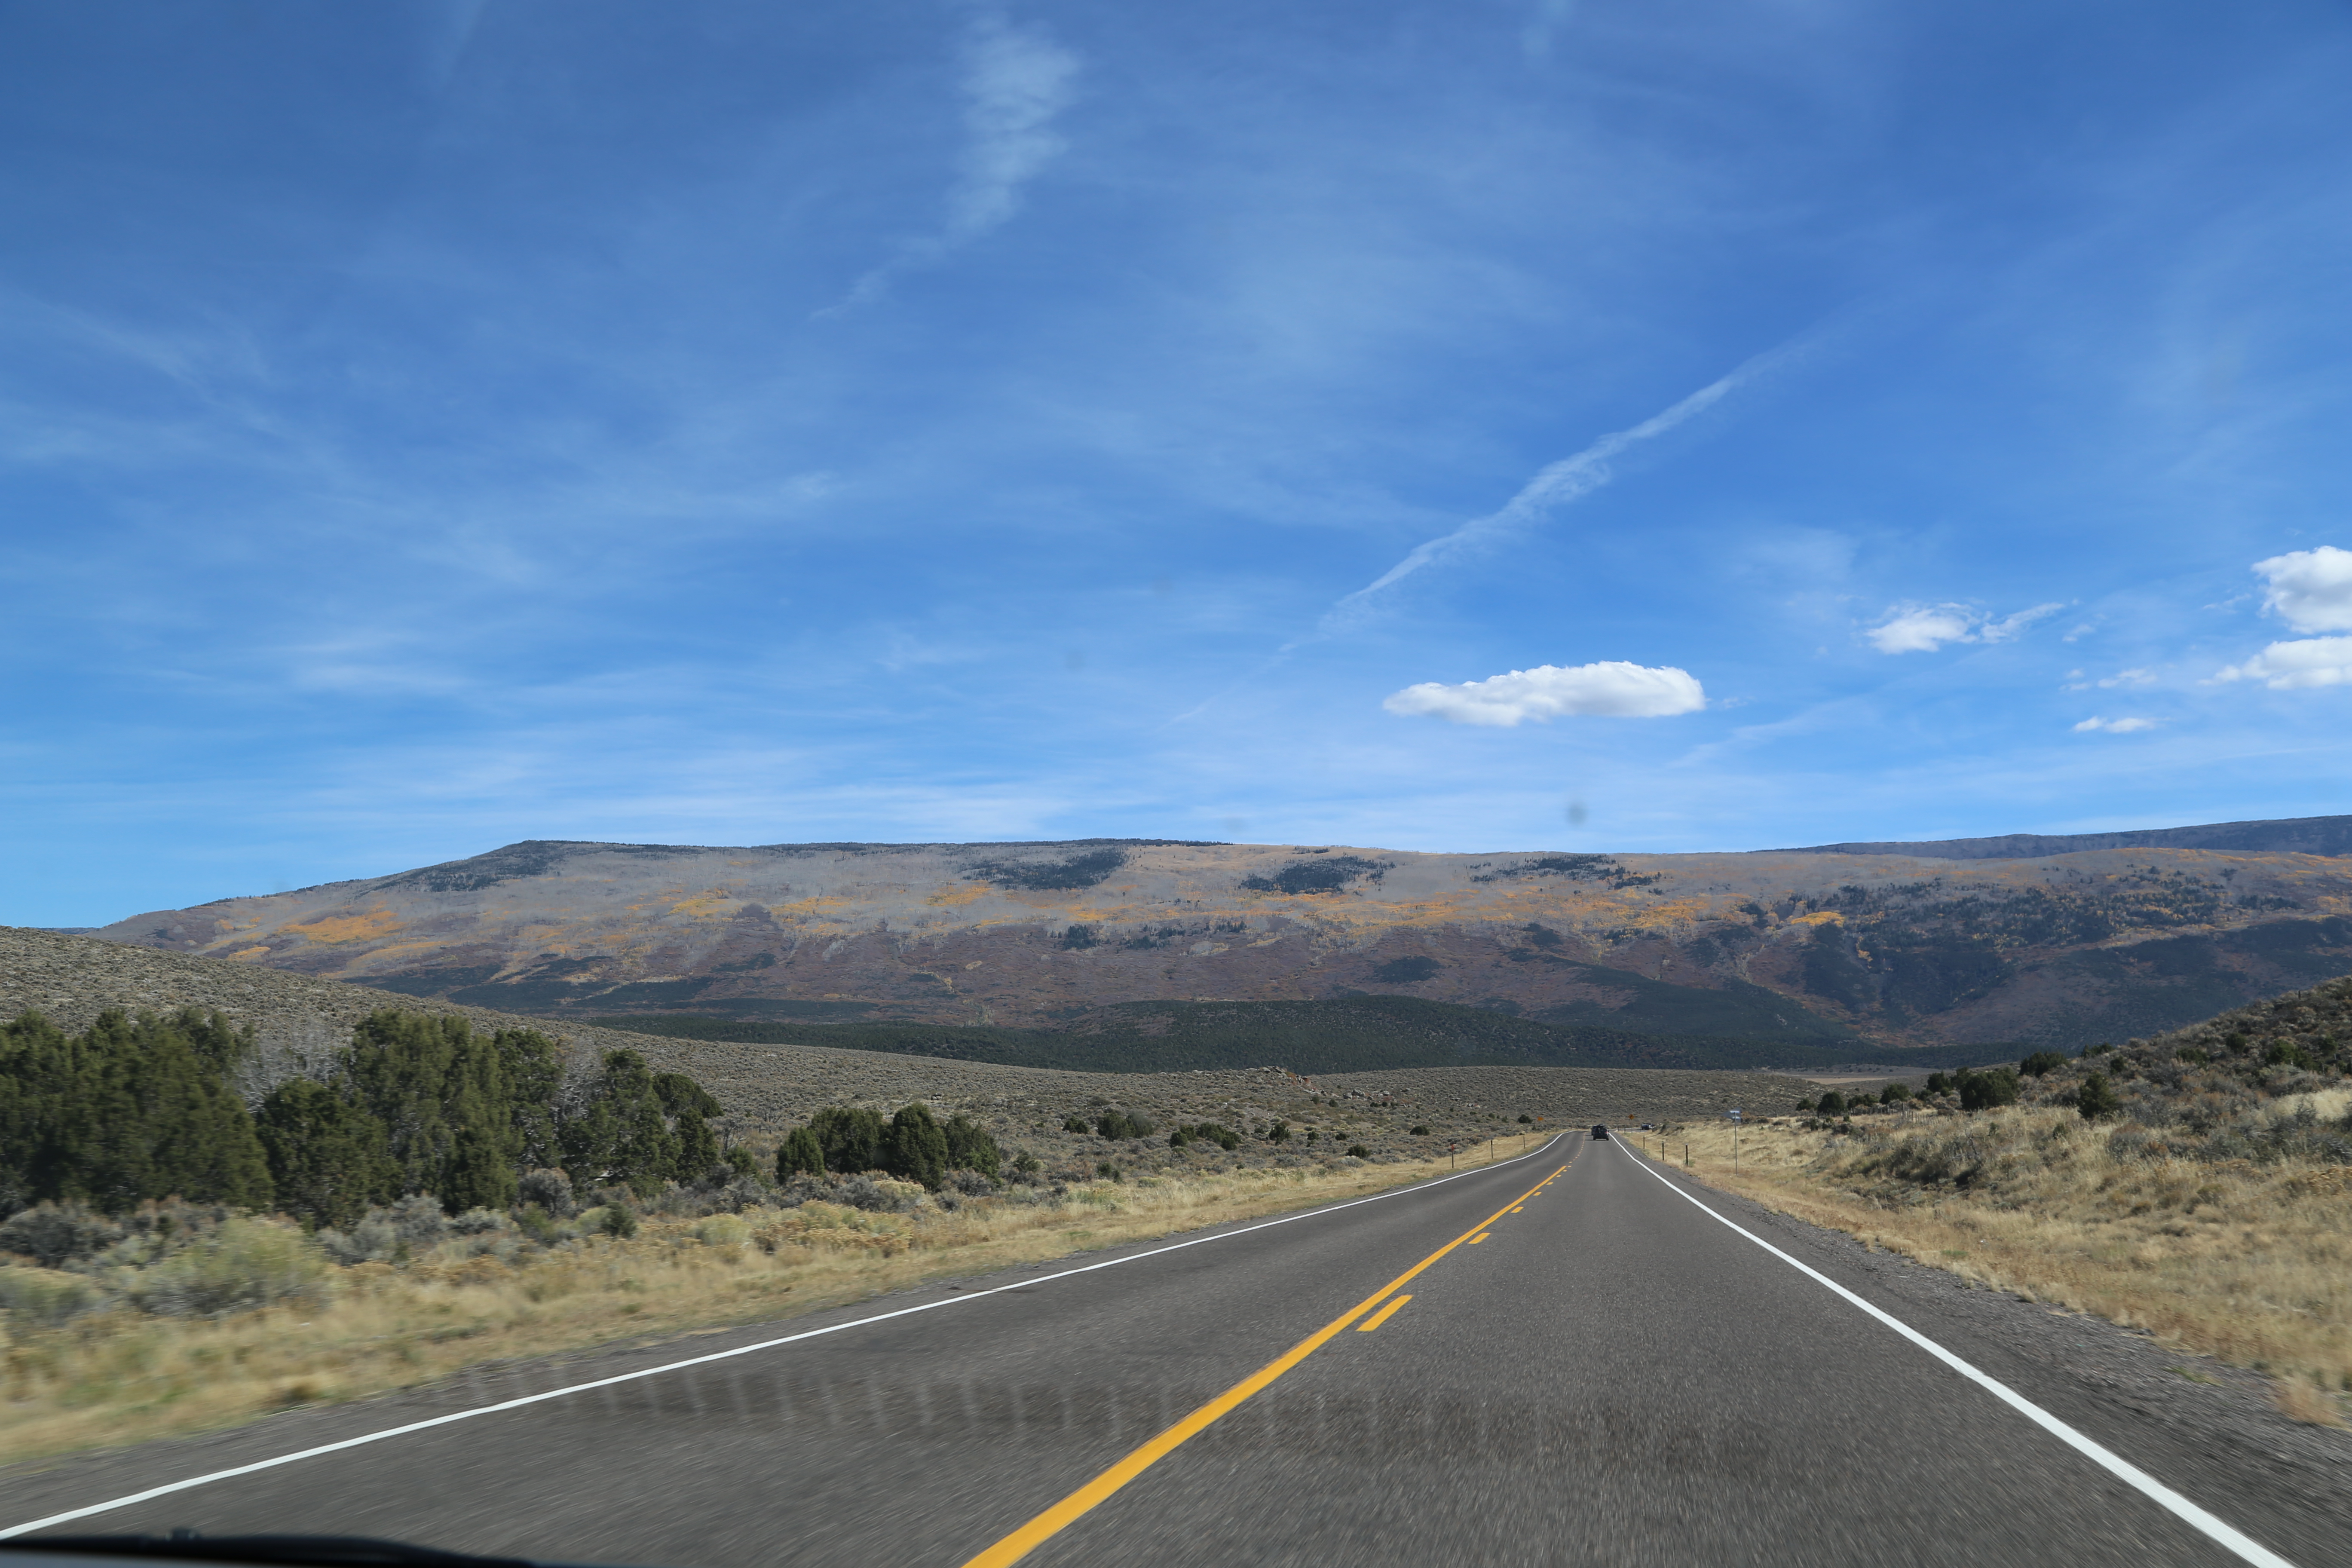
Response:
column 1735, row 1138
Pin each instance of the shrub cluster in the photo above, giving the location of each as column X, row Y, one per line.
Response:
column 1123, row 1124
column 1205, row 1132
column 135, row 1110
column 1984, row 1091
column 913, row 1145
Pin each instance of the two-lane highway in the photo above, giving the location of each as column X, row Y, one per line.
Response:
column 1558, row 1359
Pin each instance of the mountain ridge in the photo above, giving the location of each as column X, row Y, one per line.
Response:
column 1826, row 946
column 2328, row 836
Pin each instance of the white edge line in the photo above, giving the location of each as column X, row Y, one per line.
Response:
column 2113, row 1463
column 365, row 1438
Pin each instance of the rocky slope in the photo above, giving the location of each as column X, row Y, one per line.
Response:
column 2048, row 945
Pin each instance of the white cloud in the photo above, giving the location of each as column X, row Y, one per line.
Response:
column 2311, row 589
column 1924, row 628
column 2295, row 666
column 1611, row 688
column 2118, row 726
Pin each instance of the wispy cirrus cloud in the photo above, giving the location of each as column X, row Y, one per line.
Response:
column 2077, row 681
column 2115, row 726
column 1558, row 484
column 1016, row 82
column 1611, row 688
column 1924, row 628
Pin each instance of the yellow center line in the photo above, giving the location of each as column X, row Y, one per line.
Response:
column 1079, row 1503
column 1480, row 1237
column 1376, row 1319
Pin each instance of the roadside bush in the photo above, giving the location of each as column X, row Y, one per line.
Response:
column 1831, row 1103
column 1804, row 1105
column 388, row 1234
column 1420, row 1132
column 246, row 1263
column 1894, row 1092
column 44, row 1298
column 884, row 1196
column 722, row 1230
column 417, row 1220
column 51, row 1233
column 1939, row 1083
column 2041, row 1064
column 1357, row 1152
column 1524, row 1117
column 549, row 1190
column 619, row 1220
column 1073, row 1122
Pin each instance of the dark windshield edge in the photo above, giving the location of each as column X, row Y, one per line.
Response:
column 325, row 1550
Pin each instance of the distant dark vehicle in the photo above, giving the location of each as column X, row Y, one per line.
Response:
column 1649, row 1127
column 1599, row 1130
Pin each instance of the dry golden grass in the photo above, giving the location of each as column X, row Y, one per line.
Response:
column 2251, row 1264
column 123, row 1377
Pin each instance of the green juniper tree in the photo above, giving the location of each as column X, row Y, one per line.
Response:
column 918, row 1147
column 129, row 1111
column 329, row 1159
column 970, row 1147
column 799, row 1154
column 2096, row 1097
column 852, row 1137
column 447, row 1103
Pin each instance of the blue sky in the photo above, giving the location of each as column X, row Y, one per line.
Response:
column 428, row 426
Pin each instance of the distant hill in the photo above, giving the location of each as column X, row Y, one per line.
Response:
column 1356, row 1034
column 2289, row 836
column 1858, row 949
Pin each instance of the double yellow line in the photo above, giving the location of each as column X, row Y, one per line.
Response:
column 1083, row 1500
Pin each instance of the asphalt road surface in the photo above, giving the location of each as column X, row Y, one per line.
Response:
column 1591, row 1368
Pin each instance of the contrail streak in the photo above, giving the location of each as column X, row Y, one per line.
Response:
column 1569, row 480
